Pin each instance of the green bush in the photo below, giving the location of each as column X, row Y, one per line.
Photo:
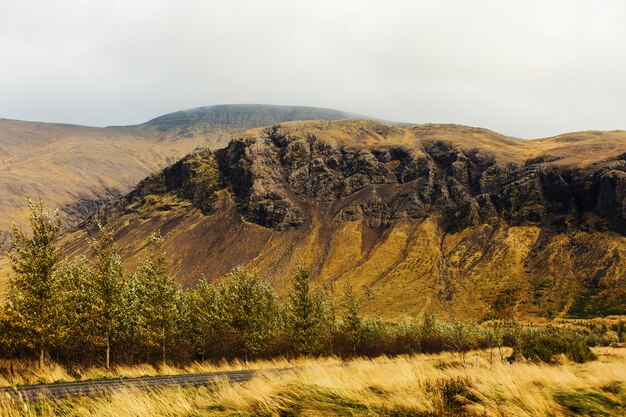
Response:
column 546, row 346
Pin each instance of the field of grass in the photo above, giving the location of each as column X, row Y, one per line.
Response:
column 435, row 385
column 25, row 372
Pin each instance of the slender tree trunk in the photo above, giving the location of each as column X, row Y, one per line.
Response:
column 163, row 347
column 41, row 357
column 108, row 354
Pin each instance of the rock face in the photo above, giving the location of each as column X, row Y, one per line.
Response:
column 278, row 179
column 416, row 220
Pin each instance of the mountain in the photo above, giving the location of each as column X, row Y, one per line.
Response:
column 76, row 168
column 446, row 218
column 247, row 116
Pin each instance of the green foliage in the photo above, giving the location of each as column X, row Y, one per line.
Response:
column 432, row 334
column 155, row 297
column 351, row 318
column 309, row 316
column 615, row 387
column 106, row 291
column 247, row 313
column 76, row 279
column 546, row 346
column 463, row 336
column 32, row 302
column 587, row 403
column 204, row 320
column 597, row 303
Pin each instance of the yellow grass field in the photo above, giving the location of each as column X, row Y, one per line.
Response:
column 435, row 385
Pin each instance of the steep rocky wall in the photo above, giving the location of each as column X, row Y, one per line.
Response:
column 278, row 180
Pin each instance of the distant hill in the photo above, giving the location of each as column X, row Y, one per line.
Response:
column 76, row 168
column 247, row 116
column 444, row 218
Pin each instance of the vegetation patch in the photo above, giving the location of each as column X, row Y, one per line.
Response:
column 547, row 346
column 615, row 387
column 588, row 404
column 596, row 303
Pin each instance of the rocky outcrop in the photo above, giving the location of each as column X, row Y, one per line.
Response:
column 279, row 179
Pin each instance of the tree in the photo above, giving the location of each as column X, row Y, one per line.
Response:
column 205, row 318
column 75, row 278
column 462, row 337
column 106, row 291
column 33, row 305
column 352, row 322
column 431, row 334
column 250, row 310
column 156, row 297
column 308, row 315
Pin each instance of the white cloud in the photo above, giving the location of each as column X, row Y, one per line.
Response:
column 526, row 68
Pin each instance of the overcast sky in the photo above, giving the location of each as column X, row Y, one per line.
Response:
column 523, row 68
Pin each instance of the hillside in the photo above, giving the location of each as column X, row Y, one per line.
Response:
column 246, row 116
column 445, row 218
column 75, row 168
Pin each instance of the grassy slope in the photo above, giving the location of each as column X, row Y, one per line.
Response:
column 417, row 386
column 63, row 163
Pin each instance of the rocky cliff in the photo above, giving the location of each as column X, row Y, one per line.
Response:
column 434, row 217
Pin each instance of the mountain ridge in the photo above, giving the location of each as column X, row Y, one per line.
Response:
column 432, row 217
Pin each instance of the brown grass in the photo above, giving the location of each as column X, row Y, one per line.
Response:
column 435, row 385
column 22, row 372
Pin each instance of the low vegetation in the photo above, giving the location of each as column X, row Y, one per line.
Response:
column 434, row 385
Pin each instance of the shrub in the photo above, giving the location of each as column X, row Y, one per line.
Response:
column 546, row 346
column 614, row 387
column 433, row 334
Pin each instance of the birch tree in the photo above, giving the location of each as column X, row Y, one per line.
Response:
column 352, row 322
column 250, row 310
column 32, row 301
column 308, row 315
column 156, row 297
column 106, row 291
column 206, row 319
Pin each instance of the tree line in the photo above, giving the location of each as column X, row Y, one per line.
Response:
column 91, row 311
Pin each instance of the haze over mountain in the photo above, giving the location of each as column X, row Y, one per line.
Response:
column 75, row 168
column 444, row 218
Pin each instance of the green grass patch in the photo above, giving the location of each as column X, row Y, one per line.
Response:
column 615, row 387
column 592, row 404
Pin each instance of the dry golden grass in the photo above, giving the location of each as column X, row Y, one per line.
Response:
column 22, row 372
column 435, row 385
